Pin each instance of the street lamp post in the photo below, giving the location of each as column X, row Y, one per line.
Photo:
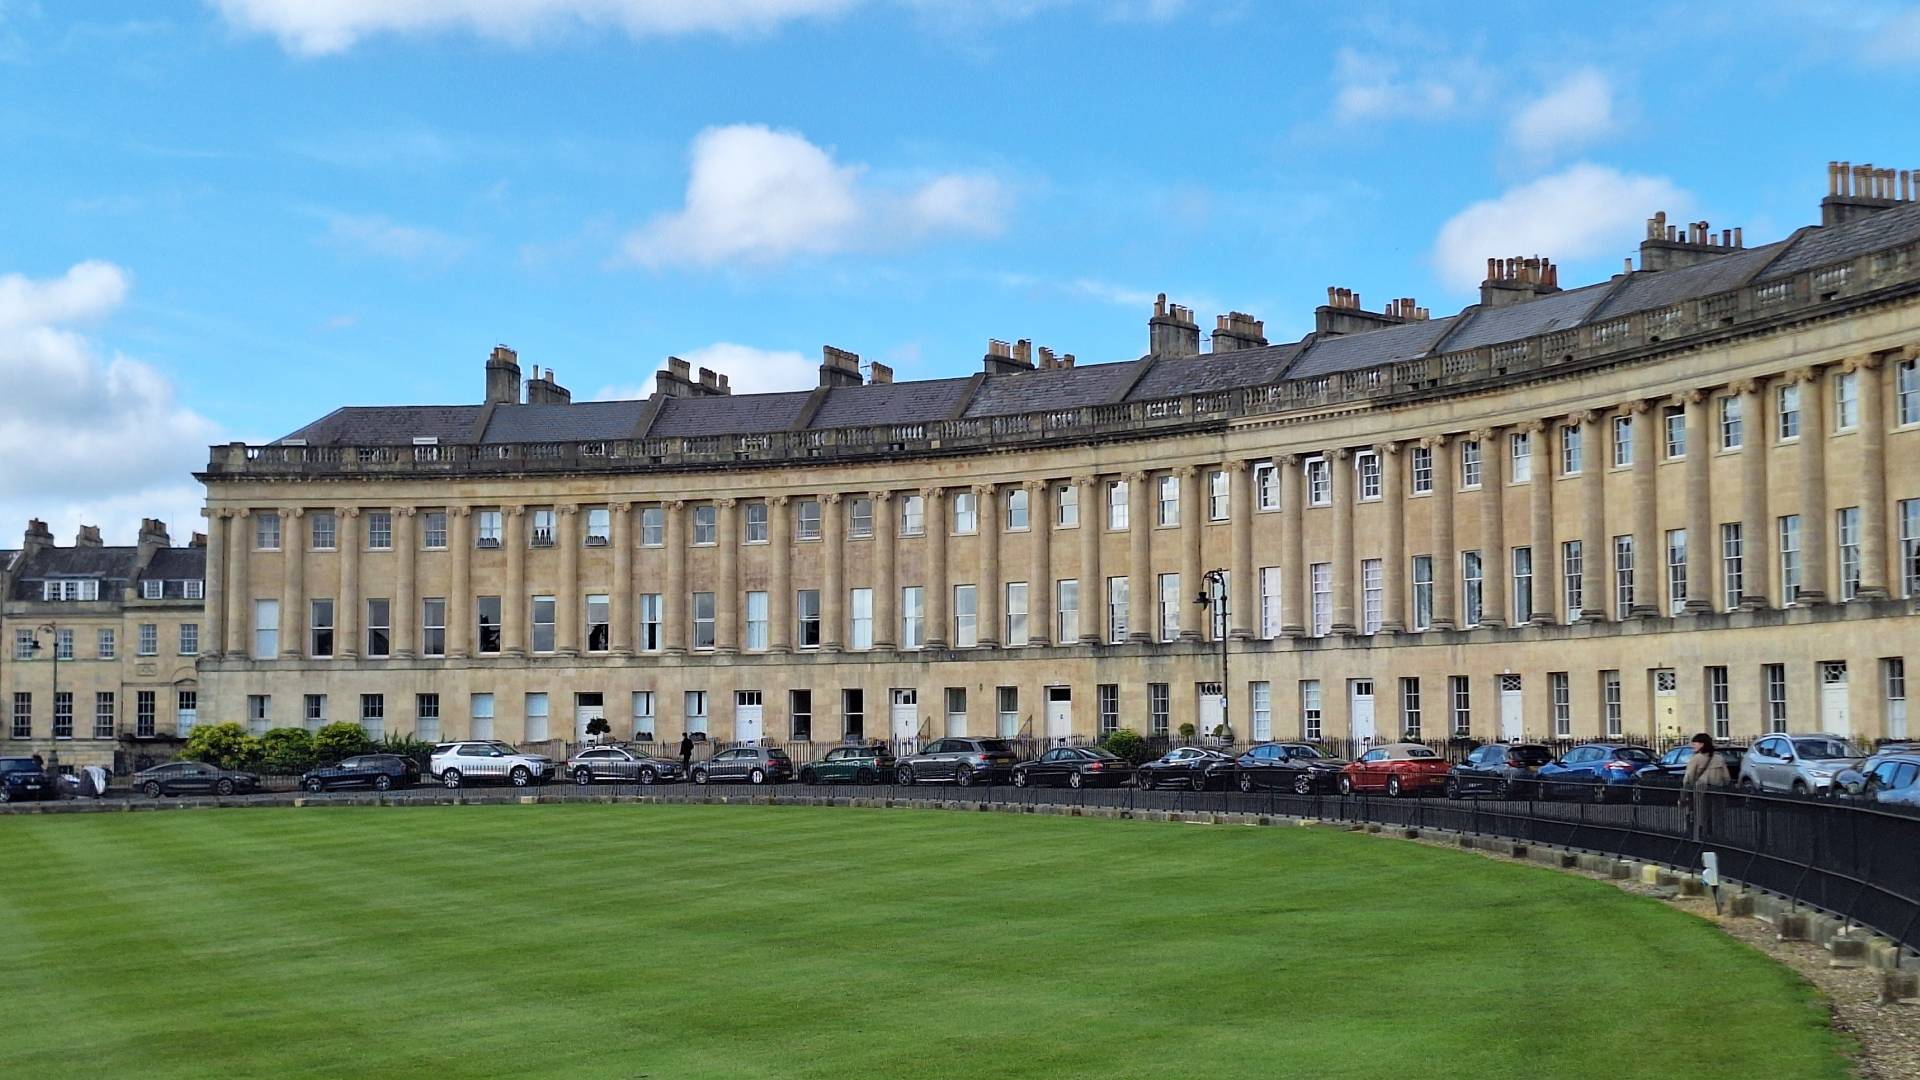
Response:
column 1214, row 599
column 51, row 629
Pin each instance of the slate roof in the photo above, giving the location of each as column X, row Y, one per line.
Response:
column 391, row 425
column 1172, row 376
column 742, row 414
column 1052, row 388
column 1488, row 326
column 1645, row 292
column 582, row 420
column 1817, row 247
column 1351, row 352
column 178, row 564
column 109, row 565
column 891, row 403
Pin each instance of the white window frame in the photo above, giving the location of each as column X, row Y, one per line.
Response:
column 1676, row 571
column 1219, row 495
column 966, row 616
column 1573, row 581
column 1422, row 470
column 1421, row 576
column 1733, row 567
column 1846, row 537
column 1846, row 401
column 1319, row 481
column 1520, row 457
column 1016, row 608
column 1266, row 485
column 1787, row 533
column 1733, row 424
column 1573, row 450
column 1320, row 582
column 1786, row 404
column 757, row 625
column 1270, row 587
column 1366, row 466
column 1470, row 464
column 1117, row 610
column 1169, row 595
column 1372, row 610
column 860, row 617
column 1472, row 588
column 1066, row 593
column 1622, row 441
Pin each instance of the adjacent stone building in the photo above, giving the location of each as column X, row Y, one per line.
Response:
column 1684, row 498
column 99, row 646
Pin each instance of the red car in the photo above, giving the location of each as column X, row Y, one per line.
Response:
column 1397, row 769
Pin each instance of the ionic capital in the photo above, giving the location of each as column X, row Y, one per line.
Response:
column 1086, row 481
column 1689, row 397
column 881, row 498
column 1744, row 387
column 1534, row 427
column 1582, row 417
column 290, row 513
column 1386, row 450
column 1036, row 487
column 348, row 512
column 460, row 511
column 511, row 511
column 985, row 491
column 726, row 504
column 1136, row 478
column 1288, row 461
column 676, row 506
column 779, row 501
column 1239, row 465
column 1185, row 472
column 1341, row 454
column 1434, row 442
column 568, row 508
column 406, row 511
column 1637, row 408
column 1867, row 362
column 1801, row 375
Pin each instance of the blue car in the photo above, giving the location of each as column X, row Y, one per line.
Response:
column 1595, row 771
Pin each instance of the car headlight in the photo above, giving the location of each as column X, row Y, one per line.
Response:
column 1821, row 774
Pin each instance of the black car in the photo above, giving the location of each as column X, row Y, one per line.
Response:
column 1504, row 771
column 376, row 771
column 1294, row 767
column 21, row 778
column 1074, row 766
column 193, row 778
column 1185, row 767
column 1660, row 781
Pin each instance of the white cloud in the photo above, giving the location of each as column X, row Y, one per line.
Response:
column 319, row 27
column 1581, row 211
column 1378, row 86
column 748, row 370
column 756, row 195
column 375, row 234
column 1896, row 41
column 90, row 436
column 1576, row 111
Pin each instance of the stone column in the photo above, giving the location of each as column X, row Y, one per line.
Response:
column 1813, row 486
column 1293, row 559
column 886, row 585
column 239, row 589
column 460, row 581
column 513, row 605
column 567, row 615
column 405, row 618
column 1493, row 528
column 780, row 591
column 1393, row 562
column 674, row 614
column 1648, row 564
column 293, row 584
column 1873, row 478
column 936, row 590
column 1446, row 560
column 1700, row 538
column 1596, row 546
column 1192, row 521
column 621, row 525
column 1141, row 600
column 1546, row 556
column 1756, row 522
column 214, row 645
column 1040, row 566
column 726, row 591
column 1240, row 603
column 346, row 610
column 833, row 588
column 1093, row 587
column 1340, row 468
column 987, row 498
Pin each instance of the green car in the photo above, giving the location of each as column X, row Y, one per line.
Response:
column 850, row 764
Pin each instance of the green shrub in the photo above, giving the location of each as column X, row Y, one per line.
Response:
column 598, row 726
column 286, row 750
column 406, row 746
column 1186, row 733
column 340, row 739
column 226, row 745
column 1127, row 745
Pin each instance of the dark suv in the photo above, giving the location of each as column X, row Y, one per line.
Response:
column 962, row 761
column 376, row 771
column 21, row 779
column 1501, row 770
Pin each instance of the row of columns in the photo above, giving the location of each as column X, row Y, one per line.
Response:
column 231, row 531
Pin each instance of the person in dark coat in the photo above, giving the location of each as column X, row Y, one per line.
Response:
column 686, row 752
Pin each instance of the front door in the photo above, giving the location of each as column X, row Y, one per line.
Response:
column 1213, row 708
column 1833, row 697
column 748, row 726
column 586, row 709
column 1666, row 703
column 906, row 713
column 1059, row 712
column 1360, row 705
column 1511, row 723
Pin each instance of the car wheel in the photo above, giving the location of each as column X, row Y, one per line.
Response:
column 864, row 776
column 963, row 777
column 382, row 782
column 757, row 776
column 1745, row 785
column 1346, row 785
column 1143, row 781
column 224, row 787
column 316, row 785
column 699, row 776
column 1453, row 789
column 1020, row 778
column 1303, row 784
column 647, row 776
column 521, row 776
column 583, row 776
column 151, row 789
column 1246, row 782
column 1076, row 781
column 5, row 795
column 1800, row 788
column 904, row 776
column 808, row 776
column 1198, row 782
column 1393, row 787
column 450, row 778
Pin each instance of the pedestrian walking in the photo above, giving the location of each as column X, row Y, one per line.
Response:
column 1706, row 772
column 686, row 753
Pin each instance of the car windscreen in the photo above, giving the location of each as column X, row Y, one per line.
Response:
column 1103, row 755
column 996, row 746
column 1420, row 752
column 17, row 764
column 777, row 755
column 1530, row 755
column 1823, row 748
column 1633, row 753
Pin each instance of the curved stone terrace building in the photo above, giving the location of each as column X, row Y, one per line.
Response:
column 1685, row 498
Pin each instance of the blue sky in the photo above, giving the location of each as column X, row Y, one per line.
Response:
column 221, row 219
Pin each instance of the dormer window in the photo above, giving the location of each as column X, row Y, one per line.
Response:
column 193, row 589
column 152, row 589
column 70, row 589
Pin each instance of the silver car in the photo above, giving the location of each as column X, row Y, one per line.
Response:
column 752, row 764
column 457, row 763
column 1799, row 764
column 620, row 764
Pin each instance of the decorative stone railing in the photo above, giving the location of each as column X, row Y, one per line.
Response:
column 1823, row 289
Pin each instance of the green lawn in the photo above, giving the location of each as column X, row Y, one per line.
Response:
column 673, row 942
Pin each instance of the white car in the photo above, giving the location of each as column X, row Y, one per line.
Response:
column 457, row 763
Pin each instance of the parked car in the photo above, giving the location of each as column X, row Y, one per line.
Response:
column 1502, row 770
column 859, row 764
column 620, row 764
column 1890, row 776
column 963, row 761
column 1074, row 766
column 457, row 763
column 1660, row 781
column 1397, row 769
column 1595, row 770
column 376, row 771
column 751, row 764
column 21, row 779
column 1295, row 767
column 193, row 778
column 1185, row 767
column 1799, row 764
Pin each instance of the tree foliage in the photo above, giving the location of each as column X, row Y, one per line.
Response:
column 340, row 739
column 225, row 745
column 1127, row 745
column 286, row 750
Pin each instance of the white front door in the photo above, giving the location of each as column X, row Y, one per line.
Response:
column 1512, row 721
column 748, row 716
column 1360, row 705
column 1833, row 697
column 1213, row 708
column 906, row 713
column 1059, row 712
column 586, row 709
column 1666, row 703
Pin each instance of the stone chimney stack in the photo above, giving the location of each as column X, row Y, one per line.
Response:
column 1005, row 359
column 1668, row 248
column 1238, row 330
column 1857, row 191
column 1342, row 314
column 199, row 540
column 838, row 367
column 1172, row 331
column 38, row 537
column 546, row 389
column 879, row 374
column 503, row 377
column 153, row 533
column 1517, row 280
column 87, row 537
